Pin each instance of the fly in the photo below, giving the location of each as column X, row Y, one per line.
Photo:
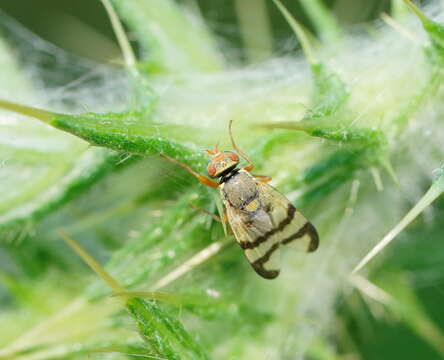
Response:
column 261, row 218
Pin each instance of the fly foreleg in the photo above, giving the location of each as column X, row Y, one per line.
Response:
column 203, row 179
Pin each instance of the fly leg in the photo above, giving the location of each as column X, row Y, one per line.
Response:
column 203, row 179
column 223, row 220
column 263, row 178
column 250, row 165
column 206, row 212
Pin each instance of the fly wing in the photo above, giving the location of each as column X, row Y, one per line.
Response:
column 264, row 258
column 290, row 227
column 267, row 223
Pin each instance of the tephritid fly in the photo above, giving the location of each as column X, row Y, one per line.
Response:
column 261, row 218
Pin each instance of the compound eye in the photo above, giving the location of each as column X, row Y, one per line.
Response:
column 211, row 169
column 233, row 156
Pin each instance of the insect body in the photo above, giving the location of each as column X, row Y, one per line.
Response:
column 261, row 218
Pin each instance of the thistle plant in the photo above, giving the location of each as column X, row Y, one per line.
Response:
column 349, row 128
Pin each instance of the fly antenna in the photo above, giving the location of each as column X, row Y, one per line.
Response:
column 214, row 151
column 239, row 151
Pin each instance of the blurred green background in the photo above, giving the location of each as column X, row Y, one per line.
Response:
column 81, row 26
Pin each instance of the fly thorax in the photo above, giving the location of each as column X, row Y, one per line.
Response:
column 241, row 191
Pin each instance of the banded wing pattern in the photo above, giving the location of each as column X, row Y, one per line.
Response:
column 265, row 224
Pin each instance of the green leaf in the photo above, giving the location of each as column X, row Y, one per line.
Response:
column 435, row 32
column 171, row 41
column 179, row 234
column 343, row 133
column 40, row 168
column 323, row 20
column 162, row 332
column 40, row 187
column 128, row 132
column 330, row 93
